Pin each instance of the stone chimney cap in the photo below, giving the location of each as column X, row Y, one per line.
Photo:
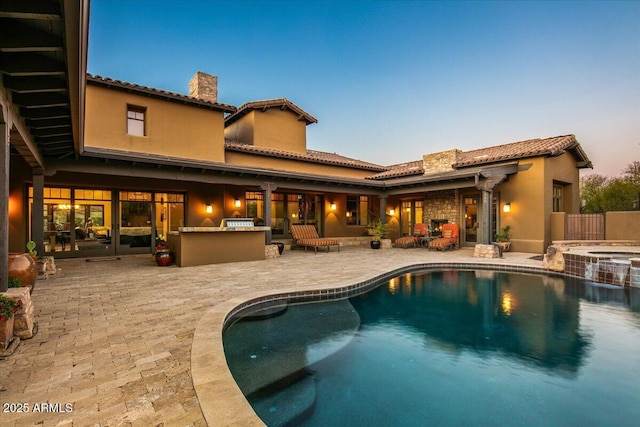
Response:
column 204, row 87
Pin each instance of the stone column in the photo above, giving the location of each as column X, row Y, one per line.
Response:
column 23, row 319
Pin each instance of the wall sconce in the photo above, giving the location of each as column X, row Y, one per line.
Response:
column 506, row 207
column 348, row 214
column 392, row 212
column 237, row 203
column 333, row 206
column 208, row 208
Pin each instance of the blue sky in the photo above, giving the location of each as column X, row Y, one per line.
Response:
column 391, row 81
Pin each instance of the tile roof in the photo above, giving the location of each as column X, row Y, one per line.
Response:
column 149, row 91
column 400, row 170
column 310, row 156
column 516, row 150
column 282, row 103
column 519, row 150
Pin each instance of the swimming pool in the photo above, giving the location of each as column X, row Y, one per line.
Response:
column 447, row 347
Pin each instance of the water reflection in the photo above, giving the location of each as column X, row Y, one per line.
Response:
column 515, row 348
column 517, row 315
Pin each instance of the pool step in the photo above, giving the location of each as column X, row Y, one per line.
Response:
column 287, row 405
column 259, row 358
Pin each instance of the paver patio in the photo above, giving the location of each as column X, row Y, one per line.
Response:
column 115, row 337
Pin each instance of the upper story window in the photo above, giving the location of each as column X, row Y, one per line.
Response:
column 135, row 120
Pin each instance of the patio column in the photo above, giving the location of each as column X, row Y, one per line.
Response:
column 37, row 212
column 383, row 208
column 268, row 188
column 487, row 196
column 486, row 185
column 4, row 203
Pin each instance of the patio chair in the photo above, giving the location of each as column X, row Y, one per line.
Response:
column 419, row 232
column 307, row 236
column 449, row 239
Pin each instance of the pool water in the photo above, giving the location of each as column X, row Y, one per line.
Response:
column 447, row 348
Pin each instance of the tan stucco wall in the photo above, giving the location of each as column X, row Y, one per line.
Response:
column 558, row 220
column 336, row 221
column 530, row 193
column 241, row 130
column 273, row 128
column 171, row 129
column 529, row 212
column 246, row 159
column 622, row 225
column 563, row 170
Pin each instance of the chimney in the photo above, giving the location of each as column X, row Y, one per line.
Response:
column 440, row 162
column 204, row 87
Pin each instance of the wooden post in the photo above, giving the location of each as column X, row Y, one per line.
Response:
column 4, row 204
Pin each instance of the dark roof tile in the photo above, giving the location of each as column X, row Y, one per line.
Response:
column 283, row 103
column 310, row 156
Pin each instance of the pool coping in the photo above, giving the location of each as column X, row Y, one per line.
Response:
column 221, row 400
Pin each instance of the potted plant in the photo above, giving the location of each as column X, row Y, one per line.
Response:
column 23, row 266
column 162, row 255
column 379, row 229
column 160, row 242
column 8, row 307
column 502, row 238
column 31, row 248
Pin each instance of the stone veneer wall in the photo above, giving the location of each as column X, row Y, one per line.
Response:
column 442, row 205
column 204, row 87
column 439, row 162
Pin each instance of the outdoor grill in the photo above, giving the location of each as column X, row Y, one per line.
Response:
column 236, row 222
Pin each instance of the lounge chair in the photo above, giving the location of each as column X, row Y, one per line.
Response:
column 449, row 239
column 307, row 236
column 419, row 231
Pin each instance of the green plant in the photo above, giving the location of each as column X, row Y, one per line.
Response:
column 8, row 307
column 503, row 235
column 31, row 247
column 380, row 229
column 14, row 282
column 161, row 243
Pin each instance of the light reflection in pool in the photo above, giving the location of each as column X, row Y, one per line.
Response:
column 452, row 347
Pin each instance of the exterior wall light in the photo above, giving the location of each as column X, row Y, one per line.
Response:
column 392, row 212
column 333, row 206
column 208, row 208
column 237, row 203
column 506, row 207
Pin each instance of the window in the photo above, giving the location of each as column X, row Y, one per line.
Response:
column 255, row 206
column 357, row 210
column 558, row 206
column 135, row 120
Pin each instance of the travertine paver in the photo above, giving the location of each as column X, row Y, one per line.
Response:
column 115, row 337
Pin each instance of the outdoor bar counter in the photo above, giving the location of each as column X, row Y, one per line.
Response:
column 215, row 245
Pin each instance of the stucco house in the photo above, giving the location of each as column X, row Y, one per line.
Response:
column 95, row 166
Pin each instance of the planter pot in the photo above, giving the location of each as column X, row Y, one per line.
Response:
column 504, row 246
column 375, row 244
column 163, row 258
column 23, row 267
column 6, row 333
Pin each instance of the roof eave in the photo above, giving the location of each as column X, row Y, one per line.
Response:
column 169, row 96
